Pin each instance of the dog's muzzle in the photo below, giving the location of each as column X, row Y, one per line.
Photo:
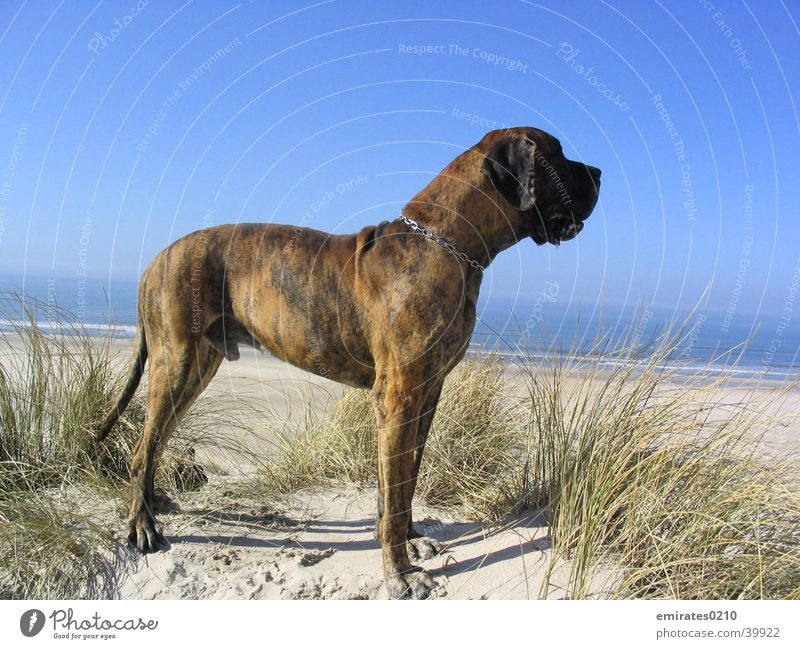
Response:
column 564, row 227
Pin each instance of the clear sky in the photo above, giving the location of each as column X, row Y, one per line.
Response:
column 125, row 125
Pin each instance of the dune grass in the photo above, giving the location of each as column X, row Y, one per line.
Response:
column 472, row 439
column 56, row 385
column 641, row 468
column 640, row 472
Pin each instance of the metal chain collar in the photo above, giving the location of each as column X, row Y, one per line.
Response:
column 442, row 242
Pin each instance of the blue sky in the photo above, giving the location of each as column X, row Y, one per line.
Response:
column 124, row 126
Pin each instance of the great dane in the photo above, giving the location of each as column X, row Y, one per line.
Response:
column 390, row 309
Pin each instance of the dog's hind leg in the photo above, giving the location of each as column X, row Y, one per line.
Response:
column 397, row 399
column 178, row 374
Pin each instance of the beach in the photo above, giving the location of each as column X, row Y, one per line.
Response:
column 318, row 543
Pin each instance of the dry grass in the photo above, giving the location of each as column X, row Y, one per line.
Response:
column 56, row 386
column 639, row 468
column 471, row 441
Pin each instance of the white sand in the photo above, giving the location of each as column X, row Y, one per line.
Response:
column 323, row 547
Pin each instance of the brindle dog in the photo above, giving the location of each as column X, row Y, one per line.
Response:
column 386, row 309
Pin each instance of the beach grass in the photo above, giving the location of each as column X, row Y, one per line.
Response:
column 638, row 469
column 472, row 439
column 643, row 471
column 57, row 384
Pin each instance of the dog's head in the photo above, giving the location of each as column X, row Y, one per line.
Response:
column 553, row 195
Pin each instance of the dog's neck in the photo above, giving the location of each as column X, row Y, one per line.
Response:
column 464, row 209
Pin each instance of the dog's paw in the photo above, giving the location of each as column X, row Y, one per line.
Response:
column 145, row 534
column 410, row 585
column 421, row 548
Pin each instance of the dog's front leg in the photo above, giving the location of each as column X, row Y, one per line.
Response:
column 420, row 547
column 397, row 405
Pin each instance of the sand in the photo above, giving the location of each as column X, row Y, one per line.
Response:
column 323, row 548
column 319, row 543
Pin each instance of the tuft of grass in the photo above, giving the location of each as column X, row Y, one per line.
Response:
column 474, row 439
column 640, row 467
column 471, row 440
column 57, row 383
column 341, row 447
column 54, row 549
column 53, row 385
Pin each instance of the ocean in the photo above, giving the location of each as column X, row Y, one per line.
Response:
column 538, row 325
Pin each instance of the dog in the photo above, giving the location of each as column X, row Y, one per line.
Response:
column 390, row 309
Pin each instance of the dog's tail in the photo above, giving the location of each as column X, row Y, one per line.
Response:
column 131, row 383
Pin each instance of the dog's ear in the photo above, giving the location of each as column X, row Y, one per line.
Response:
column 510, row 165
